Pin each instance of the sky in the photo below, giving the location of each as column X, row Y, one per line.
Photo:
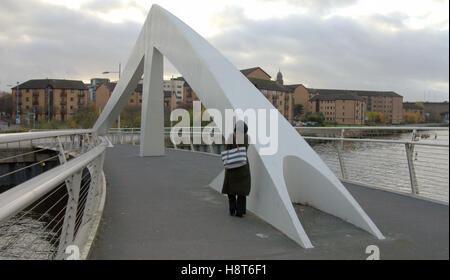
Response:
column 391, row 45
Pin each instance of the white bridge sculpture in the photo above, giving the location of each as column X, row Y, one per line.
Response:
column 295, row 173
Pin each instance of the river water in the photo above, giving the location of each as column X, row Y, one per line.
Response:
column 385, row 165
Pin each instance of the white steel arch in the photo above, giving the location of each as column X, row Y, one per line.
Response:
column 295, row 173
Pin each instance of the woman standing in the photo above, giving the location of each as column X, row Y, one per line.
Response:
column 237, row 181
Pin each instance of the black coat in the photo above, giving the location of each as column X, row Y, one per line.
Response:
column 237, row 181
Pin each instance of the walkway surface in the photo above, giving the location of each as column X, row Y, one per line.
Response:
column 162, row 208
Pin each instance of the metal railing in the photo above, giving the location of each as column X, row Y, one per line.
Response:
column 42, row 216
column 399, row 159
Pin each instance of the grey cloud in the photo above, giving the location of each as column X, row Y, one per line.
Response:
column 343, row 53
column 105, row 6
column 319, row 6
column 40, row 40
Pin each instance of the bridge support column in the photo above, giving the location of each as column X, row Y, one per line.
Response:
column 95, row 169
column 412, row 171
column 68, row 229
column 152, row 116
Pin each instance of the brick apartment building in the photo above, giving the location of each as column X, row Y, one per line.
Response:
column 412, row 107
column 434, row 109
column 281, row 96
column 104, row 91
column 389, row 103
column 49, row 98
column 340, row 108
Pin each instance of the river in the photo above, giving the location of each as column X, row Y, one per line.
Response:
column 385, row 165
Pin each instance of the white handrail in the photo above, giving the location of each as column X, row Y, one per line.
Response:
column 21, row 196
column 376, row 141
column 371, row 128
column 26, row 136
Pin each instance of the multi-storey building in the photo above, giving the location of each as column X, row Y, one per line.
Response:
column 302, row 96
column 176, row 87
column 47, row 99
column 340, row 108
column 434, row 109
column 104, row 91
column 282, row 97
column 389, row 103
column 412, row 107
column 95, row 82
column 182, row 95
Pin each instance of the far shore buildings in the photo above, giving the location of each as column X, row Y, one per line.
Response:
column 179, row 94
column 281, row 96
column 389, row 103
column 435, row 109
column 60, row 99
column 337, row 106
column 104, row 91
column 49, row 99
column 344, row 108
column 412, row 107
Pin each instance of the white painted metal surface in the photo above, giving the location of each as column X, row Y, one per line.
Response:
column 295, row 173
column 47, row 233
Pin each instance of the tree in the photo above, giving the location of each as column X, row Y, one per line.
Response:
column 376, row 117
column 409, row 117
column 421, row 105
column 315, row 117
column 6, row 106
column 131, row 116
column 298, row 111
column 85, row 117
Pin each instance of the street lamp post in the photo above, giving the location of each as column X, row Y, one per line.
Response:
column 108, row 72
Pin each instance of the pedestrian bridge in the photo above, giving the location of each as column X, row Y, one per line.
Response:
column 160, row 206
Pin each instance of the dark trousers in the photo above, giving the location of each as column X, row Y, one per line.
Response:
column 237, row 204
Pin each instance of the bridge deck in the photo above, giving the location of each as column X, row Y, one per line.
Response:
column 161, row 208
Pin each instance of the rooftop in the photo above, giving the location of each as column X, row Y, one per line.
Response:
column 339, row 96
column 357, row 92
column 412, row 106
column 250, row 70
column 294, row 86
column 268, row 84
column 53, row 83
